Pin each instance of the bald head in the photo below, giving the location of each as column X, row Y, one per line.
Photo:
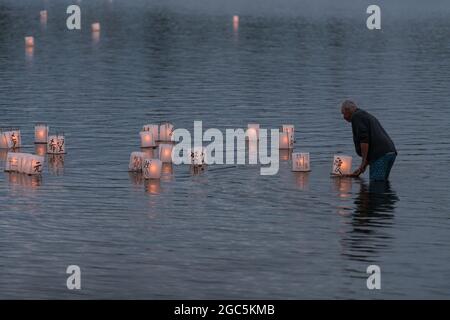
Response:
column 347, row 109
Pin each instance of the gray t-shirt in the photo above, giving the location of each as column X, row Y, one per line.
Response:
column 367, row 129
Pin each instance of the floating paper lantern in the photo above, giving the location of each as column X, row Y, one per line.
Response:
column 136, row 161
column 165, row 131
column 300, row 162
column 198, row 156
column 147, row 139
column 95, row 27
column 286, row 140
column 31, row 164
column 10, row 139
column 235, row 23
column 56, row 144
column 43, row 16
column 288, row 128
column 29, row 41
column 165, row 153
column 154, row 129
column 253, row 131
column 41, row 133
column 24, row 163
column 151, row 169
column 342, row 165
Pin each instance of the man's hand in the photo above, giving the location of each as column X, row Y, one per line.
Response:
column 359, row 171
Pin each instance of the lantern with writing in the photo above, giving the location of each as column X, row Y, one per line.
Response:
column 56, row 144
column 165, row 131
column 147, row 139
column 300, row 162
column 136, row 161
column 10, row 139
column 151, row 168
column 288, row 128
column 32, row 164
column 286, row 140
column 29, row 42
column 40, row 133
column 253, row 131
column 154, row 129
column 342, row 165
column 165, row 153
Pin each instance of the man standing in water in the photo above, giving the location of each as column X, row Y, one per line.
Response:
column 372, row 143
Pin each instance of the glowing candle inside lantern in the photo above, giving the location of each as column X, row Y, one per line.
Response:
column 136, row 161
column 95, row 27
column 56, row 144
column 154, row 129
column 165, row 153
column 40, row 133
column 300, row 162
column 342, row 165
column 29, row 41
column 151, row 169
column 165, row 132
column 286, row 140
column 147, row 140
column 12, row 162
column 253, row 131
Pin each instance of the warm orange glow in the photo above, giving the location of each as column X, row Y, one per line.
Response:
column 29, row 41
column 95, row 27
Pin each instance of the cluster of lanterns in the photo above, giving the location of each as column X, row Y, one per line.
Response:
column 153, row 136
column 29, row 163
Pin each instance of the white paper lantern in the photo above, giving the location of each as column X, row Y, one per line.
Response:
column 288, row 128
column 253, row 131
column 56, row 144
column 198, row 156
column 13, row 162
column 286, row 140
column 10, row 139
column 300, row 162
column 95, row 27
column 40, row 133
column 29, row 42
column 147, row 139
column 136, row 161
column 154, row 129
column 342, row 165
column 165, row 153
column 151, row 169
column 165, row 131
column 31, row 164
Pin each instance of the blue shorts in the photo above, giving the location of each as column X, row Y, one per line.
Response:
column 381, row 168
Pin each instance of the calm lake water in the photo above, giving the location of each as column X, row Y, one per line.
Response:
column 229, row 232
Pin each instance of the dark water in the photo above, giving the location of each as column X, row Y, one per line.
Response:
column 230, row 232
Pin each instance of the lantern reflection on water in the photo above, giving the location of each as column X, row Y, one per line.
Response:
column 342, row 165
column 165, row 153
column 343, row 186
column 165, row 131
column 136, row 161
column 151, row 168
column 300, row 162
column 285, row 154
column 40, row 133
column 286, row 140
column 43, row 16
column 95, row 27
column 24, row 180
column 56, row 144
column 147, row 139
column 302, row 180
column 152, row 186
column 56, row 164
column 40, row 149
